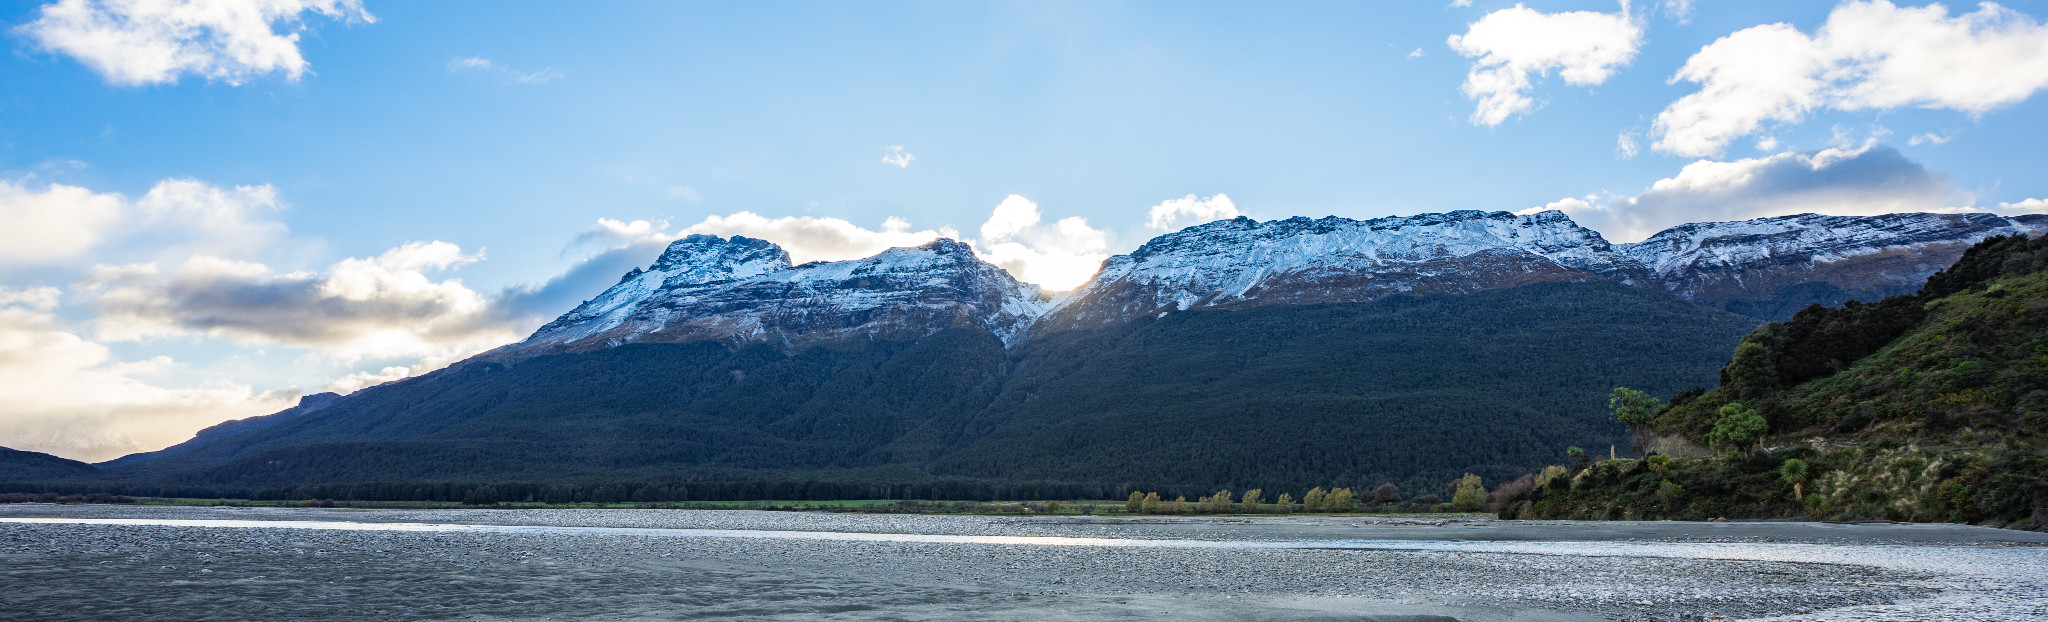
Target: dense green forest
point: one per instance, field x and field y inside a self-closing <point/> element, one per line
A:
<point x="1931" y="406"/>
<point x="1413" y="390"/>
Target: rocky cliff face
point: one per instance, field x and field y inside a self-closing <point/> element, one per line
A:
<point x="1769" y="268"/>
<point x="1243" y="263"/>
<point x="742" y="290"/>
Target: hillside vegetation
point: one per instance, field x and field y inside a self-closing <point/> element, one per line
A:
<point x="1924" y="407"/>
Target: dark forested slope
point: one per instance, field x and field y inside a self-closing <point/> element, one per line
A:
<point x="1412" y="390"/>
<point x="1930" y="407"/>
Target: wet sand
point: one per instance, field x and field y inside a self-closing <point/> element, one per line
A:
<point x="1264" y="568"/>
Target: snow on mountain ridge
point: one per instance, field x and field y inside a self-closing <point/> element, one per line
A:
<point x="742" y="290"/>
<point x="1821" y="239"/>
<point x="1233" y="261"/>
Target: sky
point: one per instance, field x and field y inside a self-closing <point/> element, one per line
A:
<point x="211" y="207"/>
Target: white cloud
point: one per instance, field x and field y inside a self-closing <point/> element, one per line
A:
<point x="1680" y="10"/>
<point x="2029" y="206"/>
<point x="518" y="76"/>
<point x="1175" y="214"/>
<point x="1509" y="45"/>
<point x="1852" y="182"/>
<point x="816" y="239"/>
<point x="1929" y="137"/>
<point x="1460" y="3"/>
<point x="1418" y="53"/>
<point x="1625" y="145"/>
<point x="52" y="224"/>
<point x="1867" y="56"/>
<point x="359" y="308"/>
<point x="359" y="380"/>
<point x="1058" y="257"/>
<point x="141" y="42"/>
<point x="898" y="157"/>
<point x="67" y="396"/>
<point x="543" y="76"/>
<point x="177" y="216"/>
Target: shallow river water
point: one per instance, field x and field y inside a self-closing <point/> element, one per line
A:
<point x="977" y="567"/>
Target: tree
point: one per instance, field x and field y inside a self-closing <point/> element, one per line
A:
<point x="1752" y="369"/>
<point x="1052" y="507"/>
<point x="1471" y="495"/>
<point x="1313" y="501"/>
<point x="1549" y="474"/>
<point x="1631" y="407"/>
<point x="1251" y="500"/>
<point x="1794" y="473"/>
<point x="1219" y="502"/>
<point x="1285" y="503"/>
<point x="1737" y="429"/>
<point x="1386" y="493"/>
<point x="1150" y="504"/>
<point x="1135" y="504"/>
<point x="1339" y="501"/>
<point x="1178" y="506"/>
<point x="1578" y="456"/>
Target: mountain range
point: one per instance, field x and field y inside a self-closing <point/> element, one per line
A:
<point x="1286" y="353"/>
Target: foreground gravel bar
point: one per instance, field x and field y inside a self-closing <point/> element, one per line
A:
<point x="1265" y="568"/>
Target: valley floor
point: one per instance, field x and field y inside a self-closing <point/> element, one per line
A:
<point x="204" y="563"/>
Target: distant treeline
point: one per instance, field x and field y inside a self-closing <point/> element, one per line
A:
<point x="622" y="492"/>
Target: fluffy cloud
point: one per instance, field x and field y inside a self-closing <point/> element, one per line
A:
<point x="1058" y="257"/>
<point x="1867" y="56"/>
<point x="2029" y="206"/>
<point x="1174" y="214"/>
<point x="67" y="395"/>
<point x="1509" y="45"/>
<point x="1859" y="181"/>
<point x="141" y="42"/>
<point x="358" y="380"/>
<point x="55" y="223"/>
<point x="817" y="239"/>
<point x="176" y="217"/>
<point x="359" y="308"/>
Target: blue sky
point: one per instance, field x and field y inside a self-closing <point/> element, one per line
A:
<point x="492" y="137"/>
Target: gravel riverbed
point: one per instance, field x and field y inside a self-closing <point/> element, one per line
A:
<point x="1265" y="568"/>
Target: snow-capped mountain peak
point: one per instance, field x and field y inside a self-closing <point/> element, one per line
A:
<point x="1300" y="260"/>
<point x="741" y="290"/>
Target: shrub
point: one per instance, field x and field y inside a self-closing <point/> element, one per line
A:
<point x="1386" y="493"/>
<point x="1513" y="490"/>
<point x="1470" y="495"/>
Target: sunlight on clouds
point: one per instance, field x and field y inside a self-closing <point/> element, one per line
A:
<point x="67" y="396"/>
<point x="1867" y="56"/>
<point x="1509" y="45"/>
<point x="54" y="223"/>
<point x="1174" y="214"/>
<point x="142" y="42"/>
<point x="176" y="217"/>
<point x="360" y="308"/>
<point x="815" y="239"/>
<point x="1059" y="257"/>
<point x="359" y="380"/>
